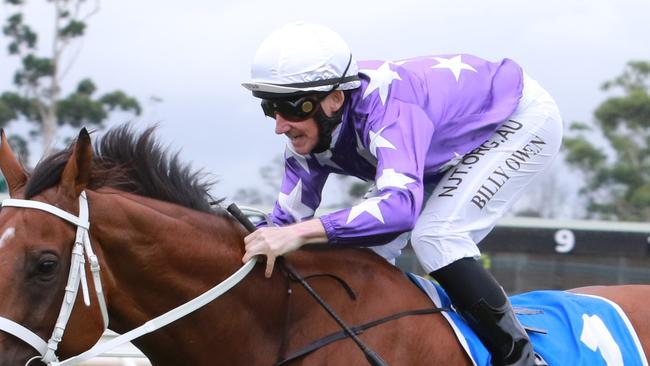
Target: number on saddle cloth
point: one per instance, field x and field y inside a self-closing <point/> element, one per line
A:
<point x="606" y="335"/>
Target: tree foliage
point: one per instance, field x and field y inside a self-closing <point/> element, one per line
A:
<point x="37" y="97"/>
<point x="617" y="170"/>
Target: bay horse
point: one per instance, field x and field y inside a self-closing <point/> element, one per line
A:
<point x="160" y="244"/>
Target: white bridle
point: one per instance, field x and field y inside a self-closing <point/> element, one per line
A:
<point x="77" y="277"/>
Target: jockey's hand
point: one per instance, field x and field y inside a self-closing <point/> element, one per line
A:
<point x="274" y="242"/>
<point x="271" y="242"/>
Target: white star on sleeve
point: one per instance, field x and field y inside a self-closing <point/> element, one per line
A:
<point x="292" y="203"/>
<point x="376" y="141"/>
<point x="380" y="79"/>
<point x="371" y="206"/>
<point x="361" y="150"/>
<point x="454" y="64"/>
<point x="390" y="178"/>
<point x="301" y="159"/>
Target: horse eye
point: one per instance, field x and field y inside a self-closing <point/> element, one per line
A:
<point x="47" y="267"/>
<point x="43" y="266"/>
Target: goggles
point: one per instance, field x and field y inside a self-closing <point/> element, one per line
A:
<point x="293" y="110"/>
<point x="301" y="108"/>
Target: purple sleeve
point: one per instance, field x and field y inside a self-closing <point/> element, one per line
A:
<point x="399" y="141"/>
<point x="300" y="192"/>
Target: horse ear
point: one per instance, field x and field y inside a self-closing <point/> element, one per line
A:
<point x="76" y="173"/>
<point x="13" y="171"/>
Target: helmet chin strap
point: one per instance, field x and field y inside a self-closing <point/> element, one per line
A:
<point x="326" y="126"/>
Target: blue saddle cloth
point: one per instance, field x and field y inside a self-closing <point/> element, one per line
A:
<point x="581" y="329"/>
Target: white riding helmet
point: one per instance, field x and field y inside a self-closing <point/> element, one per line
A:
<point x="302" y="57"/>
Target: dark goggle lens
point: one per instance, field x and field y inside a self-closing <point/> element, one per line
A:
<point x="296" y="110"/>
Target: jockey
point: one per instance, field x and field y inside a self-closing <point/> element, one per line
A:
<point x="450" y="141"/>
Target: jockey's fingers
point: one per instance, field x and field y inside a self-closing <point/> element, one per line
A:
<point x="251" y="251"/>
<point x="251" y="237"/>
<point x="251" y="243"/>
<point x="247" y="257"/>
<point x="270" y="262"/>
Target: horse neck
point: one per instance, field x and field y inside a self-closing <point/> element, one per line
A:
<point x="157" y="256"/>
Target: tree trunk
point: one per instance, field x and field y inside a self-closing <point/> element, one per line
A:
<point x="49" y="129"/>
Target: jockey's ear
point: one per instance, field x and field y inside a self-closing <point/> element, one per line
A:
<point x="13" y="171"/>
<point x="76" y="173"/>
<point x="334" y="101"/>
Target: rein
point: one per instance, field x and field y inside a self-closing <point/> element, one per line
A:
<point x="335" y="336"/>
<point x="358" y="329"/>
<point x="351" y="332"/>
<point x="164" y="319"/>
<point x="373" y="358"/>
<point x="77" y="277"/>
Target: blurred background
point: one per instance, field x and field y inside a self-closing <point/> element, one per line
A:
<point x="68" y="64"/>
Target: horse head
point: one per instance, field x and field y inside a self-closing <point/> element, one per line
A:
<point x="35" y="257"/>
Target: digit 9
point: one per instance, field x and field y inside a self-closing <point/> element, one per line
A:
<point x="565" y="240"/>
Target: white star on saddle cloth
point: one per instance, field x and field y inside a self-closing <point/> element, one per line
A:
<point x="292" y="203"/>
<point x="371" y="206"/>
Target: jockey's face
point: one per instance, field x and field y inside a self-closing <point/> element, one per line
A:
<point x="304" y="134"/>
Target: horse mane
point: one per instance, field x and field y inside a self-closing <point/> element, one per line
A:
<point x="132" y="163"/>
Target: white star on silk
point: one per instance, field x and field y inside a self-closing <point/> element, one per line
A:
<point x="325" y="159"/>
<point x="292" y="203"/>
<point x="390" y="178"/>
<point x="380" y="79"/>
<point x="301" y="159"/>
<point x="364" y="153"/>
<point x="371" y="206"/>
<point x="376" y="141"/>
<point x="454" y="64"/>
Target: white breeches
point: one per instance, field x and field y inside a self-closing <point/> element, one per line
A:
<point x="464" y="206"/>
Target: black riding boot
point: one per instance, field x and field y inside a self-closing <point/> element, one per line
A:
<point x="482" y="303"/>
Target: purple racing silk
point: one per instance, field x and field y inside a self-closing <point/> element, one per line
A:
<point x="408" y="122"/>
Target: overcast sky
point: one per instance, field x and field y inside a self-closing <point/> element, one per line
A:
<point x="193" y="55"/>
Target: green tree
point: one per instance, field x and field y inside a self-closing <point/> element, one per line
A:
<point x="38" y="98"/>
<point x="617" y="171"/>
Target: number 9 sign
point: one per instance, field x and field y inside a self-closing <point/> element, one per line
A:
<point x="565" y="240"/>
